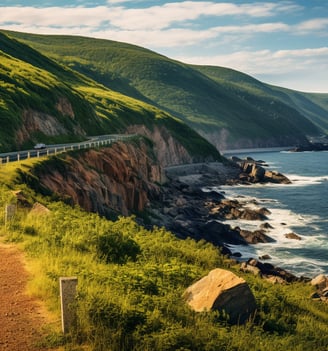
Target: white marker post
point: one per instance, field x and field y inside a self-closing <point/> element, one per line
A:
<point x="10" y="211"/>
<point x="68" y="297"/>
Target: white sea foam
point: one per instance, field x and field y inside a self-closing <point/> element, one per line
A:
<point x="283" y="221"/>
<point x="299" y="207"/>
<point x="298" y="180"/>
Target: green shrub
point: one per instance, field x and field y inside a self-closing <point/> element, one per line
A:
<point x="115" y="248"/>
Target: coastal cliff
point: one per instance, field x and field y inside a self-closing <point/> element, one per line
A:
<point x="119" y="179"/>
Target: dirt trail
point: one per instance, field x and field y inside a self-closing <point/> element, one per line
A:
<point x="21" y="319"/>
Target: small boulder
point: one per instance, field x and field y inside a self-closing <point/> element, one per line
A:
<point x="265" y="257"/>
<point x="246" y="268"/>
<point x="266" y="225"/>
<point x="293" y="236"/>
<point x="273" y="279"/>
<point x="39" y="209"/>
<point x="276" y="177"/>
<point x="255" y="237"/>
<point x="222" y="290"/>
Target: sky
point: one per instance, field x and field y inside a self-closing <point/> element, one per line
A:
<point x="284" y="43"/>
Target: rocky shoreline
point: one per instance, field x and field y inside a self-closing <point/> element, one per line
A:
<point x="192" y="205"/>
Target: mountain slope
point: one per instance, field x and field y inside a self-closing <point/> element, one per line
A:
<point x="228" y="108"/>
<point x="44" y="100"/>
<point x="314" y="106"/>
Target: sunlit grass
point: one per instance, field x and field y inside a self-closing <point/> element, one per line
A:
<point x="135" y="303"/>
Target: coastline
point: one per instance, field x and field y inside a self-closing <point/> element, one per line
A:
<point x="302" y="251"/>
<point x="255" y="150"/>
<point x="194" y="205"/>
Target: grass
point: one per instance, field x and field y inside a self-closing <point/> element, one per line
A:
<point x="131" y="281"/>
<point x="207" y="98"/>
<point x="32" y="82"/>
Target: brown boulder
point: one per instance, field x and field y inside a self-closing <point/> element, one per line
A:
<point x="222" y="290"/>
<point x="255" y="237"/>
<point x="276" y="177"/>
<point x="254" y="214"/>
<point x="320" y="281"/>
<point x="39" y="209"/>
<point x="293" y="236"/>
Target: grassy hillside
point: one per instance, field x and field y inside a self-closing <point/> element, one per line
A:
<point x="30" y="81"/>
<point x="217" y="102"/>
<point x="314" y="106"/>
<point x="131" y="281"/>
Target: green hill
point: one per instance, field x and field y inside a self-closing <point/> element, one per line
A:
<point x="314" y="106"/>
<point x="44" y="100"/>
<point x="229" y="108"/>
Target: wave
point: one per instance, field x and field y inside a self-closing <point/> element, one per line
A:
<point x="299" y="207"/>
<point x="298" y="180"/>
<point x="285" y="252"/>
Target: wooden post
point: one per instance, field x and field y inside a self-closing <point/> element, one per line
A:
<point x="67" y="297"/>
<point x="10" y="211"/>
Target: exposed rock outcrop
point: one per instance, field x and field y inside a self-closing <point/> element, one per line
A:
<point x="321" y="283"/>
<point x="116" y="180"/>
<point x="166" y="148"/>
<point x="223" y="291"/>
<point x="40" y="122"/>
<point x="233" y="209"/>
<point x="253" y="171"/>
<point x="189" y="207"/>
<point x="65" y="107"/>
<point x="293" y="236"/>
<point x="269" y="271"/>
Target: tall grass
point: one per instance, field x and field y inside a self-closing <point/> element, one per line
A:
<point x="130" y="283"/>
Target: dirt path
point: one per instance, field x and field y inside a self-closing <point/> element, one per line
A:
<point x="21" y="319"/>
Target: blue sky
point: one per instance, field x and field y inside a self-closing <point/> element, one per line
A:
<point x="279" y="42"/>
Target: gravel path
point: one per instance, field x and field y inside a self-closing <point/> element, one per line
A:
<point x="21" y="319"/>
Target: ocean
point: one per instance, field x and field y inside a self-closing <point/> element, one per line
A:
<point x="300" y="207"/>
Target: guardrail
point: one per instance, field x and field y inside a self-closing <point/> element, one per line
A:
<point x="57" y="149"/>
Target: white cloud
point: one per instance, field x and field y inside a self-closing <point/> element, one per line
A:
<point x="151" y="18"/>
<point x="163" y="16"/>
<point x="315" y="24"/>
<point x="180" y="26"/>
<point x="303" y="53"/>
<point x="305" y="69"/>
<point x="158" y="38"/>
<point x="54" y="16"/>
<point x="253" y="28"/>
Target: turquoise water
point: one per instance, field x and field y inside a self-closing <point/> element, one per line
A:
<point x="301" y="207"/>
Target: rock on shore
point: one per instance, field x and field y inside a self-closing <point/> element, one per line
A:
<point x="191" y="205"/>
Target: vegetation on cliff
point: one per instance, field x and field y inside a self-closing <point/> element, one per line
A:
<point x="131" y="282"/>
<point x="43" y="100"/>
<point x="228" y="107"/>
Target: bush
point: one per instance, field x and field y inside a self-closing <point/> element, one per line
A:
<point x="115" y="248"/>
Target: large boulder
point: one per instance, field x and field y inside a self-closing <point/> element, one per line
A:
<point x="320" y="281"/>
<point x="222" y="290"/>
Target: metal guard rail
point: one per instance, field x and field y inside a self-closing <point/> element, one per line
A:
<point x="57" y="149"/>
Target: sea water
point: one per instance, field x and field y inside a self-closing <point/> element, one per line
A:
<point x="300" y="207"/>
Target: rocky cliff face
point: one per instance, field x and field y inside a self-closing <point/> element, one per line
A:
<point x="118" y="179"/>
<point x="168" y="151"/>
<point x="40" y="122"/>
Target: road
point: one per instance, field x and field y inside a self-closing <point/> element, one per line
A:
<point x="95" y="141"/>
